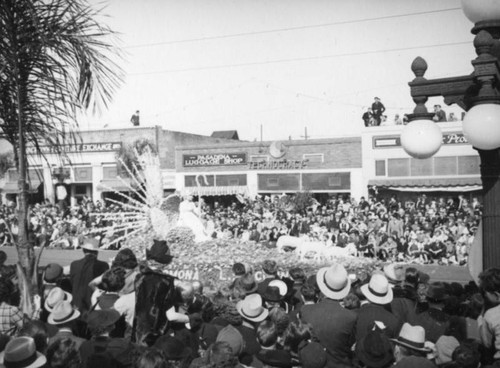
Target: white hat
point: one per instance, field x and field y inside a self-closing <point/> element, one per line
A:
<point x="378" y="290"/>
<point x="394" y="272"/>
<point x="55" y="296"/>
<point x="281" y="285"/>
<point x="412" y="337"/>
<point x="63" y="312"/>
<point x="334" y="281"/>
<point x="90" y="244"/>
<point x="251" y="308"/>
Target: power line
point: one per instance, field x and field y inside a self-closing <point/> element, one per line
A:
<point x="298" y="59"/>
<point x="287" y="29"/>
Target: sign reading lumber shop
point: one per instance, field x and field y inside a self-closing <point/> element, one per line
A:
<point x="214" y="159"/>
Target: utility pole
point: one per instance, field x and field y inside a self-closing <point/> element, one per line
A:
<point x="305" y="136"/>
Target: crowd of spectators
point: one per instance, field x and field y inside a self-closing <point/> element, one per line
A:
<point x="55" y="226"/>
<point x="132" y="314"/>
<point x="423" y="230"/>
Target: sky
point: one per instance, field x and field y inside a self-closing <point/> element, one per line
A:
<point x="277" y="66"/>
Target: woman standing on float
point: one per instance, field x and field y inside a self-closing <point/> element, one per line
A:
<point x="190" y="216"/>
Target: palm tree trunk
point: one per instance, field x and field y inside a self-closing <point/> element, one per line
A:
<point x="24" y="249"/>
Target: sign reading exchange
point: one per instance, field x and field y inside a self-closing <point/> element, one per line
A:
<point x="214" y="159"/>
<point x="80" y="147"/>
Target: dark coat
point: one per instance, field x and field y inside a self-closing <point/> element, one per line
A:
<point x="81" y="273"/>
<point x="154" y="296"/>
<point x="435" y="323"/>
<point x="252" y="346"/>
<point x="335" y="328"/>
<point x="369" y="313"/>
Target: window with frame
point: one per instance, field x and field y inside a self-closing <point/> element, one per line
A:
<point x="398" y="167"/>
<point x="445" y="165"/>
<point x="380" y="168"/>
<point x="109" y="172"/>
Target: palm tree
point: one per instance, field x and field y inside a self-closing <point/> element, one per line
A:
<point x="55" y="60"/>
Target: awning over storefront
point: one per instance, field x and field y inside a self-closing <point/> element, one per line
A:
<point x="217" y="190"/>
<point x="429" y="185"/>
<point x="115" y="185"/>
<point x="12" y="187"/>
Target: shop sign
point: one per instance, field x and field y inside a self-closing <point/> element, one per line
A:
<point x="214" y="159"/>
<point x="277" y="165"/>
<point x="79" y="148"/>
<point x="395" y="141"/>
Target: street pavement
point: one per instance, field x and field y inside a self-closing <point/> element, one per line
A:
<point x="65" y="257"/>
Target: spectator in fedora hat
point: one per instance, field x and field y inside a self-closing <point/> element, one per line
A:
<point x="333" y="325"/>
<point x="83" y="271"/>
<point x="411" y="346"/>
<point x="252" y="312"/>
<point x="378" y="294"/>
<point x="55" y="296"/>
<point x="64" y="317"/>
<point x="20" y="352"/>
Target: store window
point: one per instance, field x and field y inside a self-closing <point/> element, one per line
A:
<point x="380" y="168"/>
<point x="230" y="180"/>
<point x="83" y="174"/>
<point x="419" y="167"/>
<point x="445" y="165"/>
<point x="398" y="167"/>
<point x="468" y="165"/>
<point x="109" y="172"/>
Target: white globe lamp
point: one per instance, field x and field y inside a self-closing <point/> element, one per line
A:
<point x="481" y="10"/>
<point x="481" y="126"/>
<point x="421" y="138"/>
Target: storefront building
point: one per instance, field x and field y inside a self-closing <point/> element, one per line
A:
<point x="320" y="166"/>
<point x="92" y="168"/>
<point x="388" y="168"/>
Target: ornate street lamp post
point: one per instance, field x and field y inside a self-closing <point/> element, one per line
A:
<point x="478" y="94"/>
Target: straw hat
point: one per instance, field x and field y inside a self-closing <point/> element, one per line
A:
<point x="251" y="308"/>
<point x="55" y="296"/>
<point x="63" y="312"/>
<point x="20" y="352"/>
<point x="334" y="281"/>
<point x="412" y="337"/>
<point x="378" y="290"/>
<point x="394" y="272"/>
<point x="90" y="244"/>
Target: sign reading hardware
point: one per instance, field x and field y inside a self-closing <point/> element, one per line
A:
<point x="215" y="159"/>
<point x="277" y="165"/>
<point x="79" y="147"/>
<point x="395" y="141"/>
